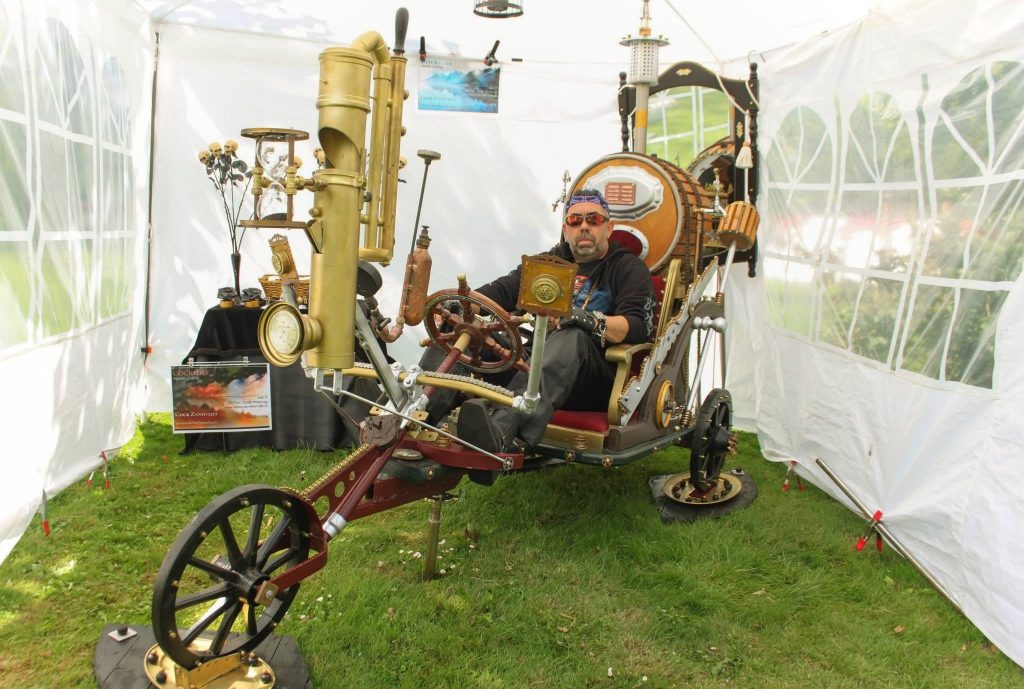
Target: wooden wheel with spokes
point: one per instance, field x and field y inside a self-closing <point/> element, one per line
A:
<point x="204" y="600"/>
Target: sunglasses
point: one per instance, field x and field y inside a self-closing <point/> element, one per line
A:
<point x="592" y="219"/>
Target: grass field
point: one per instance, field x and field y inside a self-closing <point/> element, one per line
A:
<point x="558" y="578"/>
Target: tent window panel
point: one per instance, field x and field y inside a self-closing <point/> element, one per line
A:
<point x="114" y="126"/>
<point x="67" y="168"/>
<point x="12" y="77"/>
<point x="16" y="292"/>
<point x="801" y="150"/>
<point x="66" y="285"/>
<point x="790" y="290"/>
<point x="948" y="243"/>
<point x="838" y="297"/>
<point x="876" y="229"/>
<point x="64" y="96"/>
<point x="880" y="148"/>
<point x="853" y="241"/>
<point x="798" y="220"/>
<point x="896" y="231"/>
<point x="930" y="321"/>
<point x="960" y="142"/>
<point x="115" y="278"/>
<point x="113" y="192"/>
<point x="15" y="203"/>
<point x="995" y="247"/>
<point x="875" y="325"/>
<point x="1008" y="115"/>
<point x="971" y="355"/>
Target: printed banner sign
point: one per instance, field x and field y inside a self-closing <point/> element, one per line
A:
<point x="453" y="84"/>
<point x="220" y="397"/>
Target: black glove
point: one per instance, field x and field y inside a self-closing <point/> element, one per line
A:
<point x="580" y="318"/>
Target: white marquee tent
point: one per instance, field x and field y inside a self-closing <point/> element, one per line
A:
<point x="878" y="336"/>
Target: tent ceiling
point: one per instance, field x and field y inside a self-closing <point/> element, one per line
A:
<point x="572" y="31"/>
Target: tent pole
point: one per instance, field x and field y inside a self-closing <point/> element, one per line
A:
<point x="146" y="349"/>
<point x="881" y="528"/>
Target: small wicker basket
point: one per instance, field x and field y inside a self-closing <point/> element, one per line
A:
<point x="272" y="288"/>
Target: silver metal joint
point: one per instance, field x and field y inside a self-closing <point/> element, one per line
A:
<point x="719" y="324"/>
<point x="413" y="372"/>
<point x="334" y="524"/>
<point x="333" y="385"/>
<point x="526" y="403"/>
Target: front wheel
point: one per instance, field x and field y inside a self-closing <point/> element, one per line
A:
<point x="712" y="439"/>
<point x="204" y="600"/>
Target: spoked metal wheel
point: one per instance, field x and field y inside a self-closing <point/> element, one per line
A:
<point x="204" y="601"/>
<point x="712" y="439"/>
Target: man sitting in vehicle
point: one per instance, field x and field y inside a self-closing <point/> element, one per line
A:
<point x="613" y="302"/>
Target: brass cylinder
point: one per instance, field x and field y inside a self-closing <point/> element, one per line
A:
<point x="332" y="294"/>
<point x="378" y="151"/>
<point x="343" y="103"/>
<point x="390" y="191"/>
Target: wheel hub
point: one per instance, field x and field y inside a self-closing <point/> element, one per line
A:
<point x="680" y="489"/>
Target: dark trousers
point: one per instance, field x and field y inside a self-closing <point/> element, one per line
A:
<point x="574" y="375"/>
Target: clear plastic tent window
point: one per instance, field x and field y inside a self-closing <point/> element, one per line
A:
<point x="899" y="242"/>
<point x="66" y="206"/>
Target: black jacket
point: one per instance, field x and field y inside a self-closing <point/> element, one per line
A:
<point x="619" y="285"/>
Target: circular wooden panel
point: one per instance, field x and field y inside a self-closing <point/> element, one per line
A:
<point x="656" y="199"/>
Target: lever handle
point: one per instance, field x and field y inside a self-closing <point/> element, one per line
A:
<point x="401" y="26"/>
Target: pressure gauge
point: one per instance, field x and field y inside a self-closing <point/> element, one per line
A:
<point x="284" y="333"/>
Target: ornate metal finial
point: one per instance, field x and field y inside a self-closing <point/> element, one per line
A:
<point x="645" y="20"/>
<point x="565" y="190"/>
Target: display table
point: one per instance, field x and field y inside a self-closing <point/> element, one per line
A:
<point x="302" y="418"/>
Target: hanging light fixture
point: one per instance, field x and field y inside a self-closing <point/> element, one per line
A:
<point x="498" y="9"/>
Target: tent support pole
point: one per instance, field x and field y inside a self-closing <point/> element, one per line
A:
<point x="881" y="528"/>
<point x="146" y="350"/>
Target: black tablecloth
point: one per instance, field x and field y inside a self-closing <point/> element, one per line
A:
<point x="302" y="417"/>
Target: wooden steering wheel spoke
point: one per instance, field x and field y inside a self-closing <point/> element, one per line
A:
<point x="482" y="319"/>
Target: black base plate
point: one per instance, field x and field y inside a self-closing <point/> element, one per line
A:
<point x="672" y="511"/>
<point x="119" y="664"/>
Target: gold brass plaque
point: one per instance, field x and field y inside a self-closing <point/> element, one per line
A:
<point x="545" y="286"/>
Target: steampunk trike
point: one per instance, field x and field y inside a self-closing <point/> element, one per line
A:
<point x="234" y="570"/>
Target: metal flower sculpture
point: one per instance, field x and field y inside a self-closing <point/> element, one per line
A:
<point x="231" y="178"/>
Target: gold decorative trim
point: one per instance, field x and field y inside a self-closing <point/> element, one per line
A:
<point x="573" y="439"/>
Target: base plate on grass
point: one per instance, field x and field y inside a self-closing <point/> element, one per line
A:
<point x="672" y="511"/>
<point x="121" y="665"/>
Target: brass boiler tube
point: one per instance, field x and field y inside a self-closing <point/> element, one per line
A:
<point x="394" y="134"/>
<point x="343" y="103"/>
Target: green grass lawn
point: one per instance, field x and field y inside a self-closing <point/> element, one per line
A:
<point x="558" y="578"/>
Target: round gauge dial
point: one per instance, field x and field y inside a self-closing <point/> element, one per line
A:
<point x="284" y="331"/>
<point x="283" y="334"/>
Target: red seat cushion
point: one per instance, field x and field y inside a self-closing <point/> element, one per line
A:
<point x="596" y="421"/>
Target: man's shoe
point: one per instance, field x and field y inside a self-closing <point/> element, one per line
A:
<point x="488" y="427"/>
